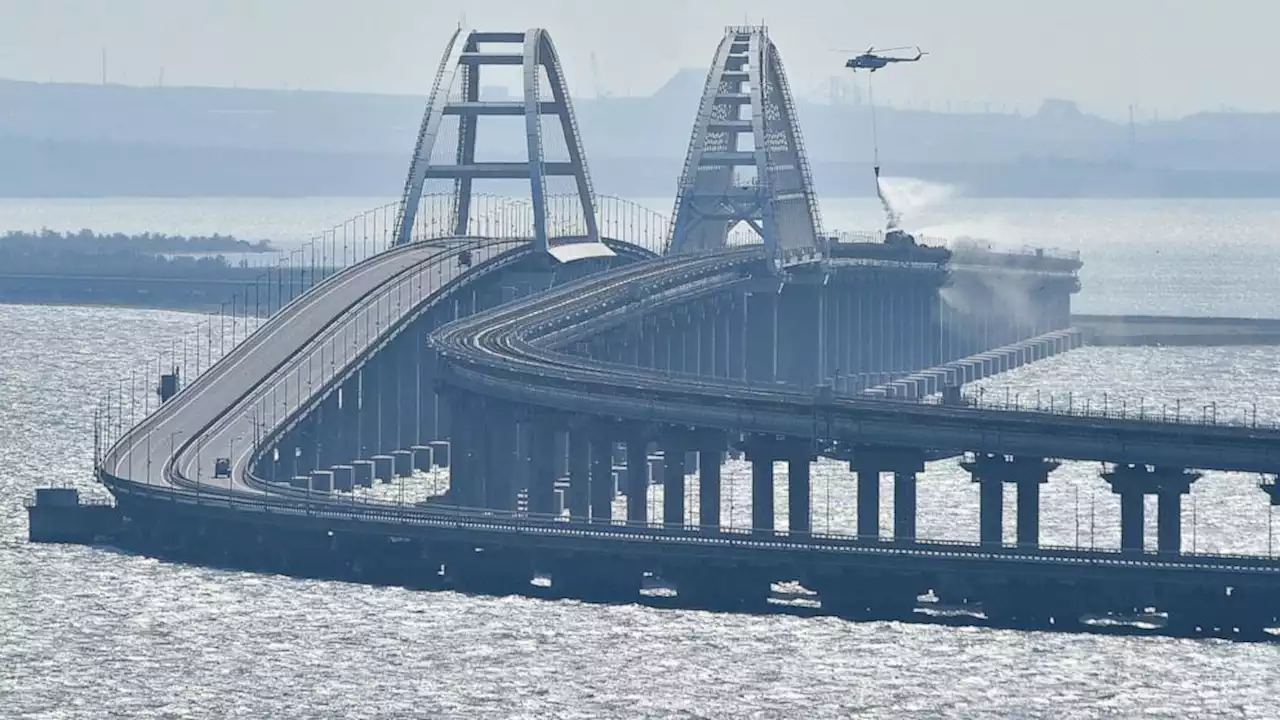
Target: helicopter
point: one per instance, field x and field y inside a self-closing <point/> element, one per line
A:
<point x="872" y="59"/>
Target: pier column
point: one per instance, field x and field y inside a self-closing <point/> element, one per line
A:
<point x="500" y="492"/>
<point x="904" y="505"/>
<point x="542" y="475"/>
<point x="690" y="334"/>
<point x="799" y="503"/>
<point x="710" y="449"/>
<point x="991" y="472"/>
<point x="800" y="349"/>
<point x="705" y="322"/>
<point x="1133" y="483"/>
<point x="463" y="461"/>
<point x="637" y="478"/>
<point x="868" y="513"/>
<point x="869" y="462"/>
<point x="674" y="445"/>
<point x="761" y="337"/>
<point x="762" y="452"/>
<point x="579" y="470"/>
<point x="735" y="331"/>
<point x="602" y="489"/>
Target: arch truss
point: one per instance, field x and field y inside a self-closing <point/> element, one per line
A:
<point x="456" y="92"/>
<point x="746" y="161"/>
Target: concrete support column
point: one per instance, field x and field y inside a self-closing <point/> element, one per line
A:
<point x="990" y="511"/>
<point x="706" y="327"/>
<point x="648" y="346"/>
<point x="662" y="343"/>
<point x="735" y="322"/>
<point x="690" y="343"/>
<point x="601" y="478"/>
<point x="579" y="472"/>
<point x="542" y="477"/>
<point x="762" y="495"/>
<point x="1029" y="512"/>
<point x="761" y="337"/>
<point x="904" y="506"/>
<point x="428" y="398"/>
<point x="868" y="502"/>
<point x="1133" y="483"/>
<point x="462" y="463"/>
<point x="1169" y="521"/>
<point x="991" y="472"/>
<point x="637" y="479"/>
<point x="709" y="452"/>
<point x="370" y="419"/>
<point x="800" y="339"/>
<point x="799" y="510"/>
<point x="1132" y="519"/>
<point x="499" y="485"/>
<point x="674" y="446"/>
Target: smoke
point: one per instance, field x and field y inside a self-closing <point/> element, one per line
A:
<point x="892" y="218"/>
<point x="901" y="196"/>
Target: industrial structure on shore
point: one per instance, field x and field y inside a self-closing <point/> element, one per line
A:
<point x="574" y="351"/>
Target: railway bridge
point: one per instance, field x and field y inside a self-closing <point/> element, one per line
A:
<point x="557" y="364"/>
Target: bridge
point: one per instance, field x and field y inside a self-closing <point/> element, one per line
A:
<point x="555" y="363"/>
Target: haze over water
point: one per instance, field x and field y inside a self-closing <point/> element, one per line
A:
<point x="89" y="633"/>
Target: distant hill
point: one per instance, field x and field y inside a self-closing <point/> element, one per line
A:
<point x="87" y="140"/>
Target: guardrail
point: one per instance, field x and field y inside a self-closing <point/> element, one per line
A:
<point x="483" y="520"/>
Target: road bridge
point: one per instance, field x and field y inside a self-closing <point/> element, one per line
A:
<point x="553" y="368"/>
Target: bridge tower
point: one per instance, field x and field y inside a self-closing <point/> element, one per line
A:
<point x="746" y="161"/>
<point x="455" y="96"/>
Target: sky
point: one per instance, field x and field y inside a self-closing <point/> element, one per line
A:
<point x="1166" y="57"/>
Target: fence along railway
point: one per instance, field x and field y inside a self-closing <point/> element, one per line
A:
<point x="563" y="379"/>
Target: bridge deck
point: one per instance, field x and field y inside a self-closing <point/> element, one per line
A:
<point x="278" y="368"/>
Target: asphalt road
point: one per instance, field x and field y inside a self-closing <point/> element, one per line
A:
<point x="269" y="375"/>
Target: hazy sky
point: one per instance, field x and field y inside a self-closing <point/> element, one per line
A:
<point x="1170" y="56"/>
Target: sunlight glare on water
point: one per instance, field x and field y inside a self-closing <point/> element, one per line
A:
<point x="90" y="633"/>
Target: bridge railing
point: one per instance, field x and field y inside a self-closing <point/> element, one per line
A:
<point x="130" y="401"/>
<point x="442" y="514"/>
<point x="1108" y="407"/>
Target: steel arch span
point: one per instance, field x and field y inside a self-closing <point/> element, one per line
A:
<point x="456" y="92"/>
<point x="746" y="161"/>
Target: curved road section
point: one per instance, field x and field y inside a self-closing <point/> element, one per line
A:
<point x="270" y="378"/>
<point x="511" y="352"/>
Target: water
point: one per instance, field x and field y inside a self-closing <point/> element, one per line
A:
<point x="88" y="633"/>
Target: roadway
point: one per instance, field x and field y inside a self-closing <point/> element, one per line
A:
<point x="511" y="352"/>
<point x="279" y="368"/>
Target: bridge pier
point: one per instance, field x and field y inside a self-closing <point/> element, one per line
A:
<point x="868" y="463"/>
<point x="602" y="486"/>
<point x="992" y="472"/>
<point x="542" y="469"/>
<point x="674" y="445"/>
<point x="1133" y="483"/>
<point x="708" y="340"/>
<point x="799" y="496"/>
<point x="799" y="334"/>
<point x="500" y="491"/>
<point x="710" y="450"/>
<point x="578" y="501"/>
<point x="762" y="336"/>
<point x="637" y="478"/>
<point x="761" y="458"/>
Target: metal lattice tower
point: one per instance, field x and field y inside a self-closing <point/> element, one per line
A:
<point x="746" y="160"/>
<point x="456" y="92"/>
